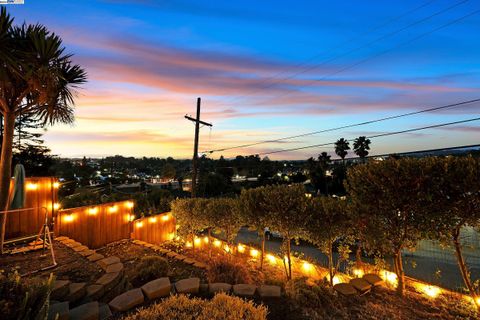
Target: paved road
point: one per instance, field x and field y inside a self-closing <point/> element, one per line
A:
<point x="421" y="264"/>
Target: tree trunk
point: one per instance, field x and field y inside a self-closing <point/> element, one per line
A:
<point x="330" y="261"/>
<point x="263" y="251"/>
<point x="463" y="266"/>
<point x="358" y="256"/>
<point x="5" y="170"/>
<point x="289" y="261"/>
<point x="400" y="273"/>
<point x="209" y="242"/>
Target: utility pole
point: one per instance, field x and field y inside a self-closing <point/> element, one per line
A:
<point x="195" y="146"/>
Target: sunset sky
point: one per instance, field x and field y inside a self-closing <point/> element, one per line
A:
<point x="264" y="70"/>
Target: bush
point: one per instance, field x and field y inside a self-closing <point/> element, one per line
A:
<point x="150" y="268"/>
<point x="24" y="299"/>
<point x="224" y="270"/>
<point x="221" y="307"/>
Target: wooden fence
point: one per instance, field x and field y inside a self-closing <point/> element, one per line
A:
<point x="41" y="196"/>
<point x="96" y="226"/>
<point x="154" y="229"/>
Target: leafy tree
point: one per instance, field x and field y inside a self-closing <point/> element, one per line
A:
<point x="457" y="199"/>
<point x="185" y="212"/>
<point x="341" y="148"/>
<point x="169" y="171"/>
<point x="286" y="207"/>
<point x="224" y="213"/>
<point x="361" y="145"/>
<point x="328" y="223"/>
<point x="391" y="198"/>
<point x="36" y="76"/>
<point x="255" y="214"/>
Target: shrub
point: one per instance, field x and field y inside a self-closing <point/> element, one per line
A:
<point x="220" y="307"/>
<point x="229" y="271"/>
<point x="24" y="299"/>
<point x="151" y="268"/>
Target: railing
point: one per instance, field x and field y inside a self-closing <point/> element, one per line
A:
<point x="95" y="226"/>
<point x="154" y="229"/>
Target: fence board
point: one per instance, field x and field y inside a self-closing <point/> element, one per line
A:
<point x="40" y="192"/>
<point x="96" y="226"/>
<point x="154" y="229"/>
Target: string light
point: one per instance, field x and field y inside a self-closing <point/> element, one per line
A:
<point x="241" y="248"/>
<point x="113" y="209"/>
<point x="307" y="267"/>
<point x="166" y="217"/>
<point x="32" y="186"/>
<point x="56" y="185"/>
<point x="197" y="241"/>
<point x="68" y="218"/>
<point x="152" y="219"/>
<point x="271" y="259"/>
<point x="139" y="224"/>
<point x="217" y="243"/>
<point x="254" y="253"/>
<point x="56" y="206"/>
<point x="129" y="204"/>
<point x="205" y="239"/>
<point x="93" y="211"/>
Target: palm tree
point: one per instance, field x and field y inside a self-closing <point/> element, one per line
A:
<point x="341" y="148"/>
<point x="361" y="145"/>
<point x="36" y="77"/>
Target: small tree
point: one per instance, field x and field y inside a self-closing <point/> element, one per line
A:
<point x="185" y="212"/>
<point x="286" y="207"/>
<point x="328" y="223"/>
<point x="392" y="197"/>
<point x="224" y="214"/>
<point x="457" y="200"/>
<point x="254" y="213"/>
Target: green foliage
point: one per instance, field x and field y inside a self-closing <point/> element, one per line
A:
<point x="226" y="270"/>
<point x="150" y="268"/>
<point x="390" y="205"/>
<point x="287" y="211"/>
<point x="224" y="213"/>
<point x="328" y="223"/>
<point x="221" y="307"/>
<point x="189" y="215"/>
<point x="24" y="299"/>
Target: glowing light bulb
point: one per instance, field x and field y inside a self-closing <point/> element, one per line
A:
<point x="56" y="185"/>
<point x="217" y="243"/>
<point x="152" y="219"/>
<point x="358" y="273"/>
<point x="227" y="249"/>
<point x="68" y="218"/>
<point x="139" y="224"/>
<point x="271" y="259"/>
<point x="197" y="241"/>
<point x="254" y="253"/>
<point x="93" y="211"/>
<point x="241" y="248"/>
<point x="129" y="204"/>
<point x="166" y="217"/>
<point x="113" y="209"/>
<point x="56" y="206"/>
<point x="205" y="239"/>
<point x="32" y="186"/>
<point x="188" y="244"/>
<point x="307" y="267"/>
<point x="431" y="291"/>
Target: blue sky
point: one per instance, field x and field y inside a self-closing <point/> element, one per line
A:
<point x="264" y="69"/>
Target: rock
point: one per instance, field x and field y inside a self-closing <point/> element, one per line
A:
<point x="86" y="253"/>
<point x="104" y="311"/>
<point x="87" y="311"/>
<point x="219" y="287"/>
<point x="80" y="248"/>
<point x="61" y="238"/>
<point x="127" y="300"/>
<point x="148" y="245"/>
<point x="181" y="257"/>
<point x="60" y="290"/>
<point x="95" y="257"/>
<point x="116" y="267"/>
<point x="373" y="279"/>
<point x="95" y="291"/>
<point x="189" y="261"/>
<point x="190" y="285"/>
<point x="345" y="289"/>
<point x="163" y="250"/>
<point x="200" y="265"/>
<point x="244" y="290"/>
<point x="76" y="291"/>
<point x="268" y="291"/>
<point x="157" y="288"/>
<point x="73" y="244"/>
<point x="361" y="284"/>
<point x="59" y="310"/>
<point x="203" y="288"/>
<point x="109" y="280"/>
<point x="139" y="242"/>
<point x="105" y="262"/>
<point x="67" y="241"/>
<point x="172" y="254"/>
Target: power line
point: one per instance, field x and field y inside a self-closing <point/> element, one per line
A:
<point x="376" y="136"/>
<point x="350" y="125"/>
<point x="368" y="44"/>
